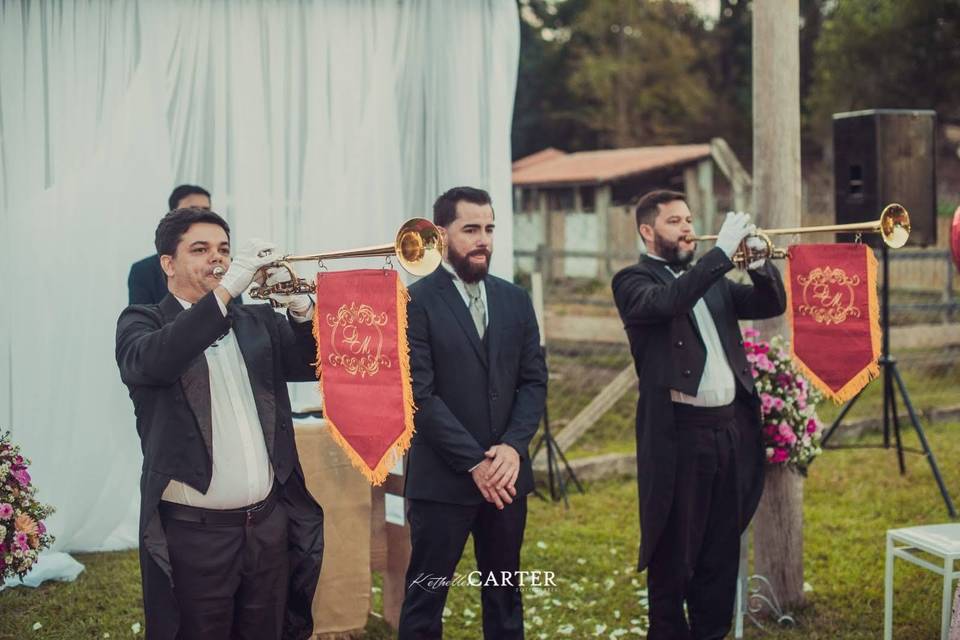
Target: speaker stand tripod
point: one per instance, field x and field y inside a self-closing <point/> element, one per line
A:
<point x="892" y="386"/>
<point x="557" y="477"/>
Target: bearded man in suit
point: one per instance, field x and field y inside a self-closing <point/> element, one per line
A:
<point x="479" y="382"/>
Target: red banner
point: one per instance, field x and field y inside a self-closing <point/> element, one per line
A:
<point x="363" y="364"/>
<point x="834" y="314"/>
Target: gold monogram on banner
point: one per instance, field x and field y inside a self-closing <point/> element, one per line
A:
<point x="828" y="295"/>
<point x="357" y="340"/>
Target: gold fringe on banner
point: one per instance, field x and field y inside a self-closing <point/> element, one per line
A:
<point x="870" y="372"/>
<point x="378" y="475"/>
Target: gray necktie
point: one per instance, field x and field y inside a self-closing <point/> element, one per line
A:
<point x="476" y="307"/>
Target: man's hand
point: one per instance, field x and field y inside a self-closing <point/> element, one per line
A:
<point x="505" y="466"/>
<point x="736" y="227"/>
<point x="755" y="245"/>
<point x="299" y="304"/>
<point x="499" y="497"/>
<point x="254" y="255"/>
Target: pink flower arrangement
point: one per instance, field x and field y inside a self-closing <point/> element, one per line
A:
<point x="791" y="430"/>
<point x="23" y="534"/>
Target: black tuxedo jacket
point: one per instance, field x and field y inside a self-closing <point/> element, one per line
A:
<point x="657" y="312"/>
<point x="160" y="355"/>
<point x="470" y="393"/>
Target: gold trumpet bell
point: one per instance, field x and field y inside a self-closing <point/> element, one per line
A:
<point x="419" y="247"/>
<point x="895" y="225"/>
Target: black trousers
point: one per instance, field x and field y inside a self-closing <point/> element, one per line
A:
<point x="230" y="580"/>
<point x="697" y="557"/>
<point x="438" y="533"/>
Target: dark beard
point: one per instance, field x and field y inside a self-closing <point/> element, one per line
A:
<point x="467" y="271"/>
<point x="670" y="251"/>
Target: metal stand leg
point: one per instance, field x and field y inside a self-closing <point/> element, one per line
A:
<point x="947" y="602"/>
<point x="888" y="592"/>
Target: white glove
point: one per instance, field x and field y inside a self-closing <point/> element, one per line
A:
<point x="300" y="305"/>
<point x="736" y="227"/>
<point x="755" y="244"/>
<point x="254" y="255"/>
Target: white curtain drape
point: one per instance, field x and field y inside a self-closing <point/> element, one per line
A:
<point x="320" y="125"/>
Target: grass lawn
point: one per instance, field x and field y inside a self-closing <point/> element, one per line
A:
<point x="851" y="498"/>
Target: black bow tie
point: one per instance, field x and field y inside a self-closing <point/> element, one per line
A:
<point x="678" y="268"/>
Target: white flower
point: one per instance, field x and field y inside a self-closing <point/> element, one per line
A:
<point x="638" y="631"/>
<point x="135" y="628"/>
<point x="446" y="611"/>
<point x="541" y="544"/>
<point x="469" y="613"/>
<point x="600" y="628"/>
<point x="807" y="587"/>
<point x="616" y="614"/>
<point x="537" y="621"/>
<point x="565" y="630"/>
<point x="37" y="626"/>
<point x="581" y="561"/>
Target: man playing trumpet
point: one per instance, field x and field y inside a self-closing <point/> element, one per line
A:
<point x="230" y="538"/>
<point x="699" y="453"/>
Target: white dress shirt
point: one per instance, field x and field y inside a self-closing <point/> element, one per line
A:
<point x="717" y="386"/>
<point x="458" y="283"/>
<point x="242" y="473"/>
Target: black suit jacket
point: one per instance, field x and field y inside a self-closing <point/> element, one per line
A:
<point x="147" y="283"/>
<point x="657" y="312"/>
<point x="160" y="355"/>
<point x="471" y="394"/>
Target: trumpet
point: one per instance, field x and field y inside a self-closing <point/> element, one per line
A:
<point x="418" y="248"/>
<point x="893" y="226"/>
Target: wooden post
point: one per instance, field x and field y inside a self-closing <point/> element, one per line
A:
<point x="708" y="203"/>
<point x="691" y="187"/>
<point x="778" y="528"/>
<point x="601" y="204"/>
<point x="730" y="166"/>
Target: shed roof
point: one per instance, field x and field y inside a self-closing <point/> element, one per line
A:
<point x="554" y="167"/>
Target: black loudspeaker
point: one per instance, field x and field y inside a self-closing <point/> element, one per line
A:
<point x="882" y="156"/>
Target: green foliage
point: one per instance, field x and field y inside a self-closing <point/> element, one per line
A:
<point x="636" y="72"/>
<point x="887" y="54"/>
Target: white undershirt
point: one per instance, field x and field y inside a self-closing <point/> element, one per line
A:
<point x="242" y="473"/>
<point x="717" y="386"/>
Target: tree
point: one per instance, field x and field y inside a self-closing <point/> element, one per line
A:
<point x="636" y="73"/>
<point x="543" y="112"/>
<point x="887" y="54"/>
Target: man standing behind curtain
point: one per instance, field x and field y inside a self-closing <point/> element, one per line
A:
<point x="230" y="538"/>
<point x="147" y="284"/>
<point x="479" y="382"/>
<point x="699" y="454"/>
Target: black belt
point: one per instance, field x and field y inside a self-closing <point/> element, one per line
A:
<point x="244" y="516"/>
<point x="688" y="415"/>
